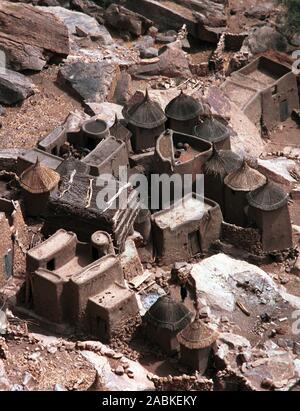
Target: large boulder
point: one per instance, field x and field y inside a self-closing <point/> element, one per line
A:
<point x="203" y="19"/>
<point x="261" y="39"/>
<point x="75" y="21"/>
<point x="5" y="384"/>
<point x="126" y="20"/>
<point x="93" y="81"/>
<point x="173" y="62"/>
<point x="280" y="169"/>
<point x="31" y="44"/>
<point x="221" y="280"/>
<point x="14" y="87"/>
<point x="90" y="8"/>
<point x="109" y="380"/>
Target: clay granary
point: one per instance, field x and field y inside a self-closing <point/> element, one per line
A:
<point x="146" y="121"/>
<point x="237" y="184"/>
<point x="216" y="168"/>
<point x="265" y="90"/>
<point x="80" y="284"/>
<point x="215" y="132"/>
<point x="268" y="210"/>
<point x="164" y="320"/>
<point x="186" y="229"/>
<point x="37" y="182"/>
<point x="195" y="344"/>
<point x="93" y="131"/>
<point x="183" y="113"/>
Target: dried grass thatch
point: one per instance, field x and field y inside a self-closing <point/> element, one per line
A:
<point x="183" y="107"/>
<point x="268" y="197"/>
<point x="245" y="179"/>
<point x="144" y="113"/>
<point x="169" y="314"/>
<point x="197" y="335"/>
<point x="212" y="130"/>
<point x="222" y="162"/>
<point x="38" y="179"/>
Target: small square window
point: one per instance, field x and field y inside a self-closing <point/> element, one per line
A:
<point x="51" y="265"/>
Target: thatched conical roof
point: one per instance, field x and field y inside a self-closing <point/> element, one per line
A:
<point x="268" y="197"/>
<point x="212" y="130"/>
<point x="145" y="113"/>
<point x="222" y="162"/>
<point x="39" y="179"/>
<point x="197" y="335"/>
<point x="183" y="107"/>
<point x="168" y="313"/>
<point x="245" y="178"/>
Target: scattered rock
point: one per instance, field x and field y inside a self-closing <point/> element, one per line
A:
<point x="52" y="350"/>
<point x="166" y="37"/>
<point x="14" y="87"/>
<point x="113" y="382"/>
<point x="124" y="90"/>
<point x="119" y="370"/>
<point x="90" y="8"/>
<point x="2" y="111"/>
<point x="278" y="169"/>
<point x="5" y="384"/>
<point x="218" y="279"/>
<point x="125" y="20"/>
<point x="261" y="39"/>
<point x="173" y="62"/>
<point x="3" y="323"/>
<point x="93" y="81"/>
<point x="260" y="11"/>
<point x="85" y="23"/>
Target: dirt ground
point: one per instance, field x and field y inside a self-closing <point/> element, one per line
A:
<point x="23" y="125"/>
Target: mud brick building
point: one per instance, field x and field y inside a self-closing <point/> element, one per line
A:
<point x="71" y="284"/>
<point x="186" y="229"/>
<point x="265" y="90"/>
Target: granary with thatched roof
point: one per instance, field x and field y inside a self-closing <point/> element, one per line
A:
<point x="216" y="168"/>
<point x="37" y="181"/>
<point x="212" y="130"/>
<point x="164" y="320"/>
<point x="183" y="113"/>
<point x="145" y="119"/>
<point x="238" y="184"/>
<point x="195" y="344"/>
<point x="268" y="209"/>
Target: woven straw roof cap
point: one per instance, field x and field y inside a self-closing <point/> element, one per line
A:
<point x="183" y="107"/>
<point x="144" y="113"/>
<point x="168" y="313"/>
<point x="245" y="178"/>
<point x="39" y="179"/>
<point x="212" y="130"/>
<point x="268" y="197"/>
<point x="197" y="335"/>
<point x="222" y="162"/>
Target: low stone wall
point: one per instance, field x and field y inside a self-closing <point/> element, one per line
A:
<point x="182" y="383"/>
<point x="248" y="239"/>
